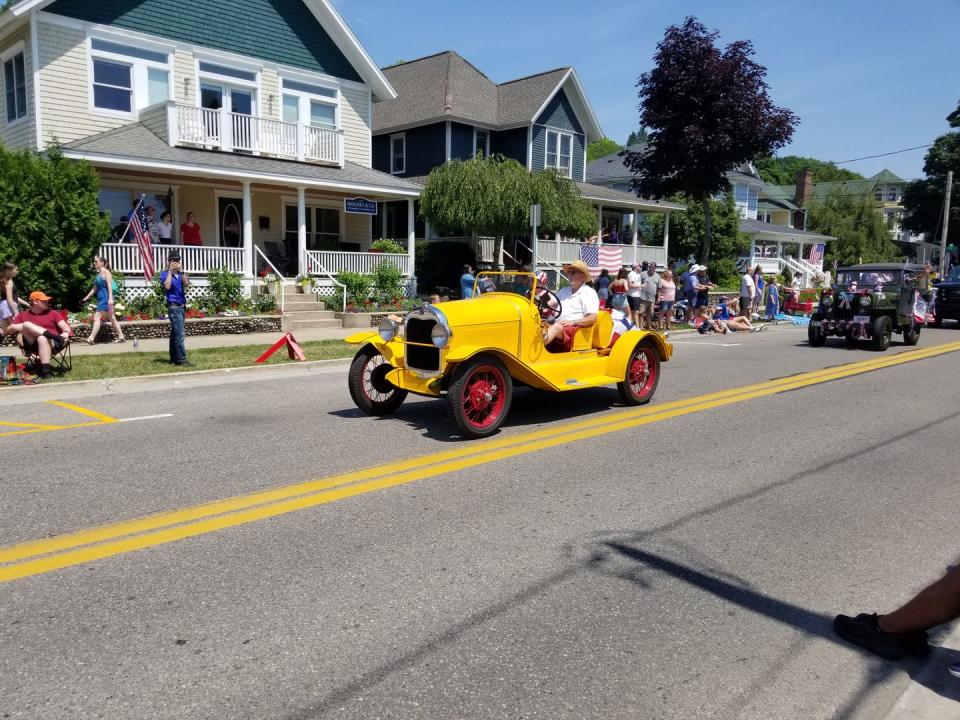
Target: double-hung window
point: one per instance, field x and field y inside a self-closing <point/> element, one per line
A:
<point x="323" y="227"/>
<point x="892" y="194"/>
<point x="481" y="144"/>
<point x="315" y="105"/>
<point x="560" y="152"/>
<point x="127" y="78"/>
<point x="15" y="87"/>
<point x="398" y="154"/>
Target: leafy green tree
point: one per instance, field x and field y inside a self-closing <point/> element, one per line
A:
<point x="707" y="111"/>
<point x="601" y="148"/>
<point x="492" y="197"/>
<point x="861" y="232"/>
<point x="637" y="137"/>
<point x="687" y="230"/>
<point x="783" y="170"/>
<point x="50" y="222"/>
<point x="923" y="199"/>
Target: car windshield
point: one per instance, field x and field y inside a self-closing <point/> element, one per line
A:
<point x="516" y="283"/>
<point x="869" y="278"/>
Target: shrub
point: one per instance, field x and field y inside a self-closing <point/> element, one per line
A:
<point x="440" y="263"/>
<point x="387" y="246"/>
<point x="225" y="289"/>
<point x="724" y="272"/>
<point x="264" y="304"/>
<point x="50" y="222"/>
<point x="387" y="281"/>
<point x="358" y="285"/>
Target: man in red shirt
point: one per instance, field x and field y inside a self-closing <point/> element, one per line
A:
<point x="42" y="330"/>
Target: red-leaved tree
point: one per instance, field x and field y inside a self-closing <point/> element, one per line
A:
<point x="706" y="111"/>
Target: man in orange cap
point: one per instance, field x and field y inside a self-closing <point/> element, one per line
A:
<point x="43" y="331"/>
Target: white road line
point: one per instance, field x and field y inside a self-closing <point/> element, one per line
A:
<point x="705" y="343"/>
<point x="145" y="417"/>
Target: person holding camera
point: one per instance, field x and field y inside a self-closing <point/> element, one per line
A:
<point x="175" y="283"/>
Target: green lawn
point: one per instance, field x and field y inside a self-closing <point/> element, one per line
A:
<point x="98" y="367"/>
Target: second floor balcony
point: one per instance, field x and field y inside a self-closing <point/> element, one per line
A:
<point x="220" y="129"/>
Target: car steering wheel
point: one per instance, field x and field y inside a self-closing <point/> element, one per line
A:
<point x="548" y="304"/>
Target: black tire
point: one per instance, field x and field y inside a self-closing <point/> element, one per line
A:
<point x="882" y="331"/>
<point x="479" y="397"/>
<point x="815" y="335"/>
<point x="368" y="384"/>
<point x="641" y="376"/>
<point x="911" y="334"/>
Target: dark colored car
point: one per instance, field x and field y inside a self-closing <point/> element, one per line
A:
<point x="947" y="303"/>
<point x="870" y="303"/>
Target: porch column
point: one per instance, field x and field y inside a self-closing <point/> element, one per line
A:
<point x="247" y="231"/>
<point x="636" y="230"/>
<point x="411" y="235"/>
<point x="301" y="231"/>
<point x="753" y="248"/>
<point x="599" y="223"/>
<point x="666" y="237"/>
<point x="800" y="251"/>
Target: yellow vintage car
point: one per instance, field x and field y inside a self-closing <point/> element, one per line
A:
<point x="474" y="351"/>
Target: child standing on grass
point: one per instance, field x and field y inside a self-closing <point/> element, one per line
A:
<point x="773" y="300"/>
<point x="9" y="302"/>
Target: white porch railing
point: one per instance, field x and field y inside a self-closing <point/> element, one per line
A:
<point x="561" y="252"/>
<point x="223" y="130"/>
<point x="335" y="262"/>
<point x="126" y="258"/>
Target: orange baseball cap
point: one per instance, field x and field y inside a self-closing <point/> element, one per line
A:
<point x="40" y="295"/>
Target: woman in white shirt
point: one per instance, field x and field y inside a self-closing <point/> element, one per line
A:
<point x="165" y="229"/>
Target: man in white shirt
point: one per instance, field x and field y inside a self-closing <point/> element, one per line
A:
<point x="634" y="281"/>
<point x="579" y="306"/>
<point x="748" y="289"/>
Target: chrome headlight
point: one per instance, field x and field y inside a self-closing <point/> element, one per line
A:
<point x="388" y="329"/>
<point x="440" y="335"/>
<point x="865" y="300"/>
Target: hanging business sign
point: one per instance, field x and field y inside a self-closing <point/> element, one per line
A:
<point x="360" y="206"/>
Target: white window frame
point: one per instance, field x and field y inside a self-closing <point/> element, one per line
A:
<point x="486" y="149"/>
<point x="546" y="150"/>
<point x="139" y="83"/>
<point x="305" y="97"/>
<point x="894" y="191"/>
<point x="311" y="206"/>
<point x="879" y="191"/>
<point x="402" y="170"/>
<point x="9" y="54"/>
<point x="202" y="77"/>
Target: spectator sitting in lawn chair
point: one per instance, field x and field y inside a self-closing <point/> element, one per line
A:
<point x="44" y="333"/>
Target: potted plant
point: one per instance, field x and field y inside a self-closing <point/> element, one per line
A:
<point x="272" y="282"/>
<point x="304" y="282"/>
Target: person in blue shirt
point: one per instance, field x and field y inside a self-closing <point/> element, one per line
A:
<point x="466" y="282"/>
<point x="175" y="283"/>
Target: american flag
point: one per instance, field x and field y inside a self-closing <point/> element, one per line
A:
<point x="816" y="254"/>
<point x="599" y="257"/>
<point x="141" y="235"/>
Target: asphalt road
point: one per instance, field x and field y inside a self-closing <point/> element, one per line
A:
<point x="682" y="560"/>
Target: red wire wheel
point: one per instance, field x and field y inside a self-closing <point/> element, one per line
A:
<point x="368" y="384"/>
<point x="479" y="397"/>
<point x="641" y="377"/>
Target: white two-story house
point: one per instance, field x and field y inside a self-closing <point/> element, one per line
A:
<point x="254" y="115"/>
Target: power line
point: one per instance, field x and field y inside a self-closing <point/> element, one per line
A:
<point x="895" y="152"/>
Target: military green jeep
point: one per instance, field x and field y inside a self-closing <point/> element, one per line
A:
<point x="870" y="303"/>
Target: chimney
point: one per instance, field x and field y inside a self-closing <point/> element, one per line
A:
<point x="804" y="187"/>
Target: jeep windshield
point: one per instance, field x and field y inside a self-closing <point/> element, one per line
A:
<point x="515" y="283"/>
<point x="870" y="278"/>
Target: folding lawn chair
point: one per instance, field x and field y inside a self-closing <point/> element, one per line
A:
<point x="60" y="360"/>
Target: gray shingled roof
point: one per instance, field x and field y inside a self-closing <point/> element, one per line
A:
<point x="445" y="86"/>
<point x="756" y="226"/>
<point x="611" y="167"/>
<point x="137" y="142"/>
<point x="602" y="193"/>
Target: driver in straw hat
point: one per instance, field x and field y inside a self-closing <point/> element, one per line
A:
<point x="579" y="306"/>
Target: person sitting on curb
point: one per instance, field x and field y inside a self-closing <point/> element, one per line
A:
<point x="904" y="631"/>
<point x="42" y="330"/>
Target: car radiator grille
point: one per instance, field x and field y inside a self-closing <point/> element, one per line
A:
<point x="420" y="351"/>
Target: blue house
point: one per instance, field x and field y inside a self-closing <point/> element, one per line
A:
<point x="447" y="109"/>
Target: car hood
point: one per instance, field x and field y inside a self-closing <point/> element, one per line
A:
<point x="491" y="308"/>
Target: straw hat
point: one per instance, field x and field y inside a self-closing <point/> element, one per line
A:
<point x="578" y="265"/>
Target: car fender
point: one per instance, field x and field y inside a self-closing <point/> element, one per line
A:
<point x="363" y="337"/>
<point x="625" y="345"/>
<point x="392" y="351"/>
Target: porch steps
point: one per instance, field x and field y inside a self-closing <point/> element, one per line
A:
<point x="305" y="311"/>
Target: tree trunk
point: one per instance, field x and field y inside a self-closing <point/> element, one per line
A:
<point x="707" y="232"/>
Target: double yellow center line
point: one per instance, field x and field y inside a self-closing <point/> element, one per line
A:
<point x="61" y="551"/>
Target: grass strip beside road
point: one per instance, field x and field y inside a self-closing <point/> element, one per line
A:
<point x="135" y="362"/>
<point x="162" y="528"/>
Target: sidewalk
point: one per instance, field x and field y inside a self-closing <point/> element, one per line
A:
<point x="933" y="693"/>
<point x="197" y="342"/>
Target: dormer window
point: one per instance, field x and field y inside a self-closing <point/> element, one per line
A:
<point x="398" y="154"/>
<point x="559" y="152"/>
<point x="892" y="194"/>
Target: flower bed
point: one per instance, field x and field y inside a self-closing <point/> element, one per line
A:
<point x="144" y="329"/>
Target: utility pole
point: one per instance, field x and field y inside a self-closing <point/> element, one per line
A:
<point x="946" y="225"/>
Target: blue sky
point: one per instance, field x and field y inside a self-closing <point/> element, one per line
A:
<point x="864" y="77"/>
